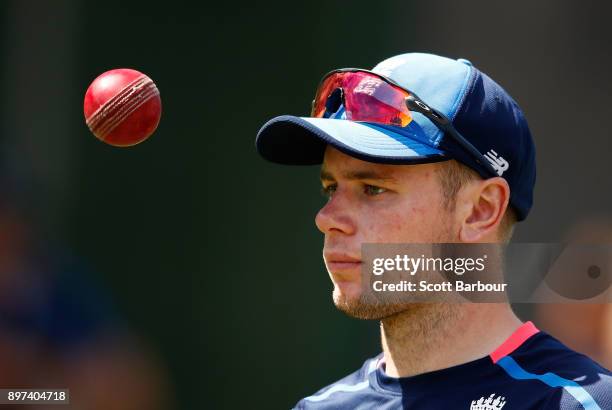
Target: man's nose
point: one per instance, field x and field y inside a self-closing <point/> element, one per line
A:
<point x="335" y="216"/>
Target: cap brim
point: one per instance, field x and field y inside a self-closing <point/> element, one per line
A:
<point x="302" y="141"/>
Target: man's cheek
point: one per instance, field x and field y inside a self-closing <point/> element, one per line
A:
<point x="411" y="225"/>
<point x="385" y="227"/>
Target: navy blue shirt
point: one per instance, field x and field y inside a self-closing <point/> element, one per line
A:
<point x="530" y="370"/>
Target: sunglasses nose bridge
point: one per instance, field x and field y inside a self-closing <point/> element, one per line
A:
<point x="334" y="100"/>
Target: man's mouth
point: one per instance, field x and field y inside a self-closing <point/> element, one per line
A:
<point x="341" y="261"/>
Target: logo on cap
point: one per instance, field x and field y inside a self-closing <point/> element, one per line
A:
<point x="497" y="161"/>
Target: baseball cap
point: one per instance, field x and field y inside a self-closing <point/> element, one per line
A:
<point x="480" y="109"/>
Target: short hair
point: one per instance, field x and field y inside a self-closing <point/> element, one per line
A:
<point x="452" y="176"/>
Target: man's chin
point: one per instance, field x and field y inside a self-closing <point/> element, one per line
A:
<point x="361" y="307"/>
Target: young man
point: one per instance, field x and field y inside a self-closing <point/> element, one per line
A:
<point x="425" y="149"/>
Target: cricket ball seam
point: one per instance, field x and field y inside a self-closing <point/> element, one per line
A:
<point x="110" y="114"/>
<point x="124" y="110"/>
<point x="105" y="109"/>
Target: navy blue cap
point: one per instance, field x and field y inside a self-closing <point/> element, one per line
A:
<point x="481" y="110"/>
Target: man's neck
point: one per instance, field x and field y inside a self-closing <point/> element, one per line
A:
<point x="430" y="337"/>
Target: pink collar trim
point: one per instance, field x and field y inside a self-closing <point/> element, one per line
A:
<point x="515" y="340"/>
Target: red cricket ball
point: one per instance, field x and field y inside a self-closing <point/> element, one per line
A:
<point x="122" y="107"/>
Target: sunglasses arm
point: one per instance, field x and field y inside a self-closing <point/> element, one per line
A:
<point x="415" y="104"/>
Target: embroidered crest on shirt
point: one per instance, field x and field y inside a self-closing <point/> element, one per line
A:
<point x="492" y="403"/>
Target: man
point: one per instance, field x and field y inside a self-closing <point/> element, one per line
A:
<point x="425" y="149"/>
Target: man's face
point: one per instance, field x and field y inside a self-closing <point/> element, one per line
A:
<point x="375" y="203"/>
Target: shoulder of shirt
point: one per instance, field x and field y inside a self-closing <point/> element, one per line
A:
<point x="544" y="353"/>
<point x="546" y="356"/>
<point x="347" y="383"/>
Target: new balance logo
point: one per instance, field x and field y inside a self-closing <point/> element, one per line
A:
<point x="492" y="403"/>
<point x="499" y="163"/>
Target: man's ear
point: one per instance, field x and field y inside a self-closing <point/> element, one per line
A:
<point x="483" y="205"/>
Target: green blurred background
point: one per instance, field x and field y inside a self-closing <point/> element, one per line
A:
<point x="208" y="252"/>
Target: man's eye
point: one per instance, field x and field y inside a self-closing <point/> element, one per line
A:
<point x="374" y="190"/>
<point x="327" y="191"/>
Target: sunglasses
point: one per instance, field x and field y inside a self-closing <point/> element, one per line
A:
<point x="362" y="95"/>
